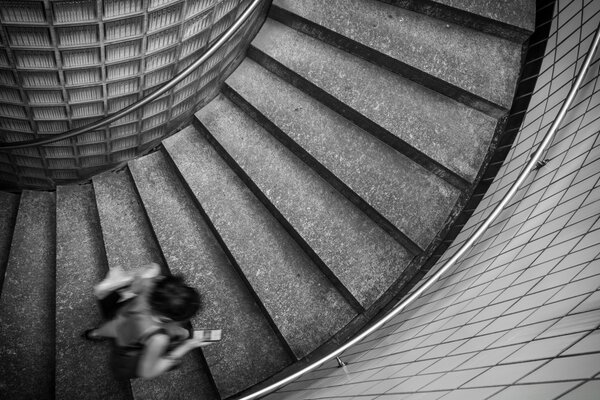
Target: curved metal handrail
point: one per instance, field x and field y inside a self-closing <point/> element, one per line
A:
<point x="466" y="246"/>
<point x="146" y="100"/>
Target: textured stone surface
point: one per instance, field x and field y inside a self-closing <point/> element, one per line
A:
<point x="129" y="244"/>
<point x="82" y="370"/>
<point x="482" y="64"/>
<point x="27" y="303"/>
<point x="8" y="214"/>
<point x="449" y="132"/>
<point x="128" y="238"/>
<point x="519" y="13"/>
<point x="304" y="305"/>
<point x="414" y="200"/>
<point x="363" y="257"/>
<point x="250" y="351"/>
<point x="510" y="19"/>
<point x="189" y="381"/>
<point x="518" y="316"/>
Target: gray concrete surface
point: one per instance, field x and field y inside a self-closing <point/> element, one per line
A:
<point x="249" y="351"/>
<point x="27" y="304"/>
<point x="363" y="257"/>
<point x="428" y="121"/>
<point x="9" y="204"/>
<point x="479" y="63"/>
<point x="303" y="303"/>
<point x="82" y="369"/>
<point x="413" y="199"/>
<point x="129" y="243"/>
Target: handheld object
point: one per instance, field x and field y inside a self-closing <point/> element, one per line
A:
<point x="208" y="335"/>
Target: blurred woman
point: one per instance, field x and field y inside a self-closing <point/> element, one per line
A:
<point x="147" y="325"/>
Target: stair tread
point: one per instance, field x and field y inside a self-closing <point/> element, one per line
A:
<point x="9" y="204"/>
<point x="518" y="13"/>
<point x="413" y="199"/>
<point x="129" y="243"/>
<point x="428" y="121"/>
<point x="305" y="306"/>
<point x="363" y="257"/>
<point x="482" y="64"/>
<point x="249" y="351"/>
<point x="81" y="367"/>
<point x="128" y="238"/>
<point x="27" y="316"/>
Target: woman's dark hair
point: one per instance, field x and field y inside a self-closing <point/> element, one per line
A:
<point x="172" y="298"/>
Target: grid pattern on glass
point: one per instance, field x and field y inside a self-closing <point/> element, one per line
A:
<point x="10" y="95"/>
<point x="4" y="58"/>
<point x="74" y="10"/>
<point x="44" y="96"/>
<point x="18" y="11"/>
<point x="79" y="59"/>
<point x="124" y="50"/>
<point x="82" y="57"/>
<point x="35" y="59"/>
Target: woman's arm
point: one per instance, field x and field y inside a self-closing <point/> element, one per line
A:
<point x="143" y="278"/>
<point x="154" y="362"/>
<point x="142" y="281"/>
<point x="177" y="332"/>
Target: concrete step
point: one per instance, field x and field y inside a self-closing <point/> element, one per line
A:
<point x="128" y="236"/>
<point x="27" y="303"/>
<point x="469" y="65"/>
<point x="444" y="136"/>
<point x="306" y="308"/>
<point x="130" y="243"/>
<point x="9" y="204"/>
<point x="510" y="19"/>
<point x="388" y="186"/>
<point x="82" y="371"/>
<point x="250" y="350"/>
<point x="342" y="239"/>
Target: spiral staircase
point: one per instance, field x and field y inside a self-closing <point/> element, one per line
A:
<point x="303" y="199"/>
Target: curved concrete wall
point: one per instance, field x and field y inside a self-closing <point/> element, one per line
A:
<point x="518" y="316"/>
